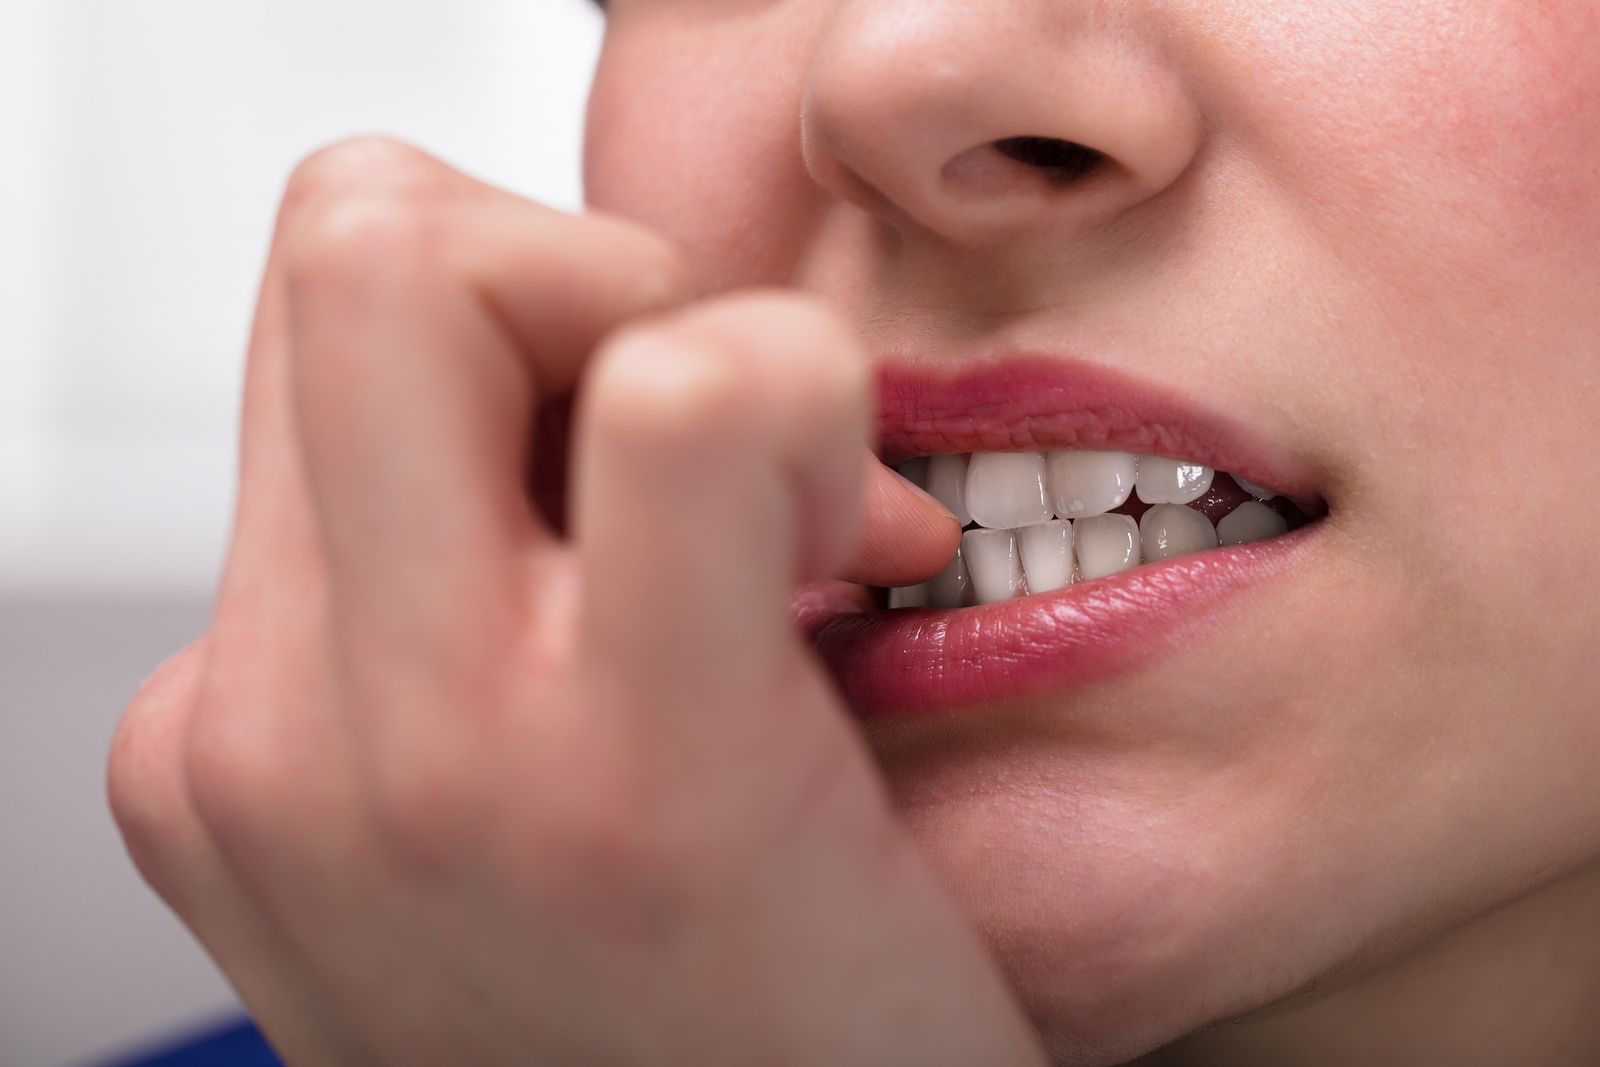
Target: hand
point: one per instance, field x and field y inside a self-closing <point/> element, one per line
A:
<point x="440" y="786"/>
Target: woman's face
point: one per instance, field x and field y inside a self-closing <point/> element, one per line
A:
<point x="1361" y="233"/>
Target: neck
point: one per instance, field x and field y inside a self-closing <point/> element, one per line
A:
<point x="1518" y="985"/>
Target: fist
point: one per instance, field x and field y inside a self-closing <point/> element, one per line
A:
<point x="449" y="782"/>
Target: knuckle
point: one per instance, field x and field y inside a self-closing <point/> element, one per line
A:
<point x="793" y="312"/>
<point x="795" y="318"/>
<point x="355" y="238"/>
<point x="231" y="769"/>
<point x="361" y="165"/>
<point x="801" y="353"/>
<point x="655" y="382"/>
<point x="732" y="373"/>
<point x="361" y="203"/>
<point x="144" y="769"/>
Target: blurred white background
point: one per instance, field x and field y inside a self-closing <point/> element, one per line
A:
<point x="145" y="146"/>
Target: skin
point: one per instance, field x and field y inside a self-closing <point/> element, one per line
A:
<point x="1353" y="821"/>
<point x="1349" y="223"/>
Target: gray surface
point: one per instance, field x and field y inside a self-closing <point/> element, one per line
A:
<point x="90" y="960"/>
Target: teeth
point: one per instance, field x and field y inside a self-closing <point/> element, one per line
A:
<point x="1172" y="481"/>
<point x="911" y="596"/>
<point x="1107" y="544"/>
<point x="1018" y="547"/>
<point x="1257" y="491"/>
<point x="1047" y="557"/>
<point x="1005" y="490"/>
<point x="947" y="481"/>
<point x="949" y="588"/>
<point x="993" y="562"/>
<point x="1090" y="483"/>
<point x="1250" y="522"/>
<point x="1169" y="530"/>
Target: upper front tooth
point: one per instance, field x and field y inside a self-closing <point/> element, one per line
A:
<point x="1090" y="483"/>
<point x="1172" y="481"/>
<point x="1168" y="530"/>
<point x="1046" y="555"/>
<point x="947" y="483"/>
<point x="993" y="562"/>
<point x="1250" y="522"/>
<point x="1006" y="490"/>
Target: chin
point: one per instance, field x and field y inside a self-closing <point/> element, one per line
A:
<point x="1130" y="901"/>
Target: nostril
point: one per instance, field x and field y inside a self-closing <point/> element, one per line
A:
<point x="1063" y="162"/>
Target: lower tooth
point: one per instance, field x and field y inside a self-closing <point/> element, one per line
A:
<point x="1169" y="530"/>
<point x="911" y="596"/>
<point x="1106" y="544"/>
<point x="1250" y="522"/>
<point x="948" y="588"/>
<point x="994" y="564"/>
<point x="1046" y="551"/>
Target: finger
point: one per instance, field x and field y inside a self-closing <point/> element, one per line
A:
<point x="720" y="459"/>
<point x="907" y="536"/>
<point x="423" y="326"/>
<point x="149" y="795"/>
<point x="274" y="557"/>
<point x="273" y="550"/>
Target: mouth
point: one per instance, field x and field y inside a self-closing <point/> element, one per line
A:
<point x="1106" y="521"/>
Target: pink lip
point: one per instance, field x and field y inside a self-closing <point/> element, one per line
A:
<point x="929" y="660"/>
<point x="1029" y="402"/>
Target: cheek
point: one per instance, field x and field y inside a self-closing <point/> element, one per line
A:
<point x="1439" y="165"/>
<point x="694" y="131"/>
<point x="1466" y="135"/>
<point x="1536" y="121"/>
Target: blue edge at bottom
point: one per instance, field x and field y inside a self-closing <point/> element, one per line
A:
<point x="234" y="1044"/>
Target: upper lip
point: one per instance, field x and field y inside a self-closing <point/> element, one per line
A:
<point x="1021" y="400"/>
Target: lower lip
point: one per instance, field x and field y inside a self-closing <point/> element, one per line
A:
<point x="923" y="661"/>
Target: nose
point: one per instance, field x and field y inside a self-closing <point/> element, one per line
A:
<point x="979" y="122"/>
